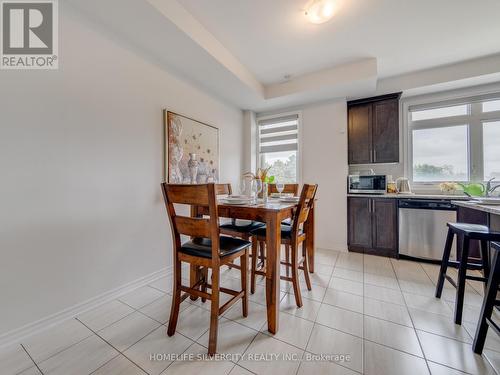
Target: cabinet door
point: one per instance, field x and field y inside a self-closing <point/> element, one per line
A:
<point x="360" y="134"/>
<point x="385" y="226"/>
<point x="386" y="131"/>
<point x="359" y="225"/>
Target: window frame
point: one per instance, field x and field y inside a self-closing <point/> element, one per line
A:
<point x="474" y="121"/>
<point x="299" y="139"/>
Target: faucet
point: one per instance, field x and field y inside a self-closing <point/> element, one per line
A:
<point x="488" y="189"/>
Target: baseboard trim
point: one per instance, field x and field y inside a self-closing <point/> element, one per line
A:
<point x="29" y="329"/>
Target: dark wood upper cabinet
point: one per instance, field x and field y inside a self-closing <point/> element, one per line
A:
<point x="372" y="226"/>
<point x="373" y="130"/>
<point x="360" y="134"/>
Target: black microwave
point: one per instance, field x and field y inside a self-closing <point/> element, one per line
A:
<point x="367" y="184"/>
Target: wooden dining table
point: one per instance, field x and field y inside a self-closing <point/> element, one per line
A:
<point x="272" y="213"/>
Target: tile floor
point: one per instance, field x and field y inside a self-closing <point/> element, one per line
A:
<point x="377" y="315"/>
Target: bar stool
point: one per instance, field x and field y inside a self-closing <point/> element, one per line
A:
<point x="466" y="232"/>
<point x="489" y="302"/>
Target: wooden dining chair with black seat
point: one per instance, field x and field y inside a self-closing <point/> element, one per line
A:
<point x="287" y="189"/>
<point x="207" y="249"/>
<point x="291" y="235"/>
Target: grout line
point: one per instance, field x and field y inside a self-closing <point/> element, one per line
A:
<point x="414" y="329"/>
<point x="32" y="360"/>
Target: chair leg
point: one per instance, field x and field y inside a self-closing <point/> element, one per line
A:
<point x="254" y="265"/>
<point x="487" y="307"/>
<point x="287" y="260"/>
<point x="194" y="276"/>
<point x="262" y="252"/>
<point x="204" y="275"/>
<point x="295" y="277"/>
<point x="176" y="302"/>
<point x="485" y="257"/>
<point x="444" y="263"/>
<point x="244" y="281"/>
<point x="305" y="266"/>
<point x="214" y="313"/>
<point x="462" y="272"/>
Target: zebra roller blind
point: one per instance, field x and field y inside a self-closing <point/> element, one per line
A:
<point x="278" y="134"/>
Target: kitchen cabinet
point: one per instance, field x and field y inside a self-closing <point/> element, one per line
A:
<point x="372" y="226"/>
<point x="373" y="130"/>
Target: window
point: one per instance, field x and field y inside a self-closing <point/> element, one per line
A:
<point x="457" y="141"/>
<point x="279" y="146"/>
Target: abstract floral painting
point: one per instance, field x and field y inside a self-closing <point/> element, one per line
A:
<point x="192" y="150"/>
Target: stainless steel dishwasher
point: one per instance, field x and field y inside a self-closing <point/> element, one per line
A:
<point x="422" y="227"/>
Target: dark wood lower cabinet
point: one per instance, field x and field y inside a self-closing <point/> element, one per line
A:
<point x="471" y="216"/>
<point x="372" y="226"/>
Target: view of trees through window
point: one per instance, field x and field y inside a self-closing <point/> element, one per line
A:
<point x="283" y="165"/>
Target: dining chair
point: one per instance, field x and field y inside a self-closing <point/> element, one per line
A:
<point x="206" y="249"/>
<point x="237" y="228"/>
<point x="291" y="236"/>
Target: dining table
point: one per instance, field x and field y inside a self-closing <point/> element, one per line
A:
<point x="272" y="213"/>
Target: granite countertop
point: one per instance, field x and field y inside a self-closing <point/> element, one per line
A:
<point x="480" y="207"/>
<point x="412" y="196"/>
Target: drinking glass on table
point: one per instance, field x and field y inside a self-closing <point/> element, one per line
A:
<point x="243" y="186"/>
<point x="280" y="187"/>
<point x="256" y="188"/>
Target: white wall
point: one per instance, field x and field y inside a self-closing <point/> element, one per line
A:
<point x="324" y="161"/>
<point x="81" y="161"/>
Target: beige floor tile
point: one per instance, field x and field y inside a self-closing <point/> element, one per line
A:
<point x="323" y="368"/>
<point x="344" y="273"/>
<point x="392" y="335"/>
<point x="439" y="324"/>
<point x="293" y="330"/>
<point x="201" y="366"/>
<point x="437" y="369"/>
<point x="344" y="300"/>
<point x="266" y="345"/>
<point x="129" y="330"/>
<point x="31" y="371"/>
<point x="141" y="297"/>
<point x="105" y="315"/>
<point x="82" y="358"/>
<point x="343" y="320"/>
<point x="316" y="293"/>
<point x="257" y="315"/>
<point x="13" y="360"/>
<point x="164" y="284"/>
<point x="193" y="322"/>
<point x="383" y="360"/>
<point x="347" y="286"/>
<point x="238" y="370"/>
<point x="381" y="271"/>
<point x="383" y="294"/>
<point x="232" y="337"/>
<point x="119" y="365"/>
<point x="492" y="339"/>
<point x="162" y="347"/>
<point x="388" y="311"/>
<point x="329" y="341"/>
<point x="260" y="294"/>
<point x="309" y="309"/>
<point x="159" y="309"/>
<point x="469" y="313"/>
<point x="382" y="281"/>
<point x="493" y="358"/>
<point x="453" y="353"/>
<point x="47" y="343"/>
<point x="323" y="269"/>
<point x="316" y="278"/>
<point x="430" y="304"/>
<point x="426" y="288"/>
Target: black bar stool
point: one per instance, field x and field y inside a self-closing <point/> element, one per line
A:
<point x="465" y="232"/>
<point x="489" y="302"/>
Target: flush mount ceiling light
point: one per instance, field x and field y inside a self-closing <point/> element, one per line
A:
<point x="319" y="11"/>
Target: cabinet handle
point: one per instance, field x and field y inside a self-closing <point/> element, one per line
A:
<point x="374" y="155"/>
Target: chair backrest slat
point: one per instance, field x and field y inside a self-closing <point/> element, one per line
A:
<point x="223" y="189"/>
<point x="306" y="202"/>
<point x="193" y="195"/>
<point x="288" y="189"/>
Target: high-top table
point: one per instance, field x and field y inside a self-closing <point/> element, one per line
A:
<point x="271" y="213"/>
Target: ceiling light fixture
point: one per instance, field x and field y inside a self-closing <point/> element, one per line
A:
<point x="319" y="11"/>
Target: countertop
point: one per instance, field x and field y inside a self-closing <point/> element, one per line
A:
<point x="412" y="196"/>
<point x="495" y="210"/>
